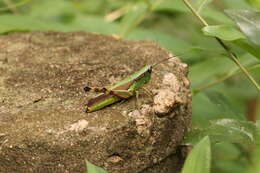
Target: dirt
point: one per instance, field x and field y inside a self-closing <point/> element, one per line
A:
<point x="43" y="123"/>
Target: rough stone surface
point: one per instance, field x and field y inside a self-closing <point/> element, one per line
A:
<point x="43" y="124"/>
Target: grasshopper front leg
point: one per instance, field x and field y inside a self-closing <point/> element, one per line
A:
<point x="125" y="94"/>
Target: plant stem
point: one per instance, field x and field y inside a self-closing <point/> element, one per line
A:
<point x="196" y="91"/>
<point x="195" y="12"/>
<point x="231" y="54"/>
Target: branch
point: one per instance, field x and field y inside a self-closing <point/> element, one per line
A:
<point x="231" y="54"/>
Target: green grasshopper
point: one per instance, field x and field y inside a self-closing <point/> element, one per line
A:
<point x="124" y="89"/>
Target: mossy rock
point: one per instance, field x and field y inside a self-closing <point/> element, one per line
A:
<point x="43" y="123"/>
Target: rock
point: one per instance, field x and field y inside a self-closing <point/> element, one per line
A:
<point x="43" y="124"/>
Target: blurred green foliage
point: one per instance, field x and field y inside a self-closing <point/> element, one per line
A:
<point x="199" y="158"/>
<point x="221" y="93"/>
<point x="93" y="168"/>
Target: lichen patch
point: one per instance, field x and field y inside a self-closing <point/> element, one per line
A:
<point x="142" y="120"/>
<point x="164" y="101"/>
<point x="171" y="81"/>
<point x="79" y="126"/>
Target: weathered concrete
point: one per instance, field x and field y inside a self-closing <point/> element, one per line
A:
<point x="43" y="126"/>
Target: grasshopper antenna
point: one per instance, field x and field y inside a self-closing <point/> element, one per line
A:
<point x="172" y="56"/>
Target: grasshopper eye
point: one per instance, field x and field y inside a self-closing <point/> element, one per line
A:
<point x="87" y="110"/>
<point x="150" y="70"/>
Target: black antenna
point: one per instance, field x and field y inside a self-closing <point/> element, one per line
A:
<point x="172" y="56"/>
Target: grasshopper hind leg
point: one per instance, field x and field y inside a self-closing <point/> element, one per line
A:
<point x="95" y="89"/>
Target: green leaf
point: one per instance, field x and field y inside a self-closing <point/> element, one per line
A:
<point x="133" y="18"/>
<point x="225" y="151"/>
<point x="235" y="4"/>
<point x="248" y="46"/>
<point x="171" y="5"/>
<point x="248" y="22"/>
<point x="174" y="6"/>
<point x="227" y="157"/>
<point x="205" y="71"/>
<point x="255" y="167"/>
<point x="216" y="15"/>
<point x="223" y="104"/>
<point x="228" y="130"/>
<point x="93" y="168"/>
<point x="224" y="32"/>
<point x="239" y="90"/>
<point x="199" y="158"/>
<point x="215" y="68"/>
<point x="212" y="105"/>
<point x="234" y="166"/>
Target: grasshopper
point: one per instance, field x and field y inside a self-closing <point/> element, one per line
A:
<point x="124" y="89"/>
